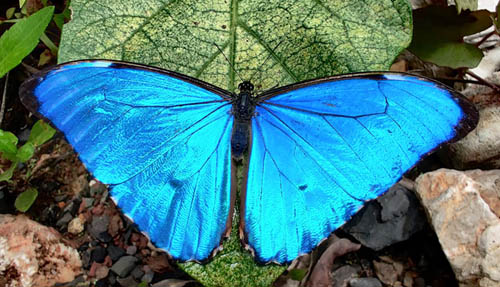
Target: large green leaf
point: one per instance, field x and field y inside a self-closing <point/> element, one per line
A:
<point x="17" y="42"/>
<point x="316" y="38"/>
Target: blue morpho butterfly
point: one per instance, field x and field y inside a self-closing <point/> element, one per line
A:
<point x="167" y="145"/>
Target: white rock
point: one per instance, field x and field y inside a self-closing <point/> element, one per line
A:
<point x="36" y="253"/>
<point x="466" y="226"/>
<point x="75" y="226"/>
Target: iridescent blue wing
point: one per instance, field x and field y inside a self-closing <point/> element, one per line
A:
<point x="160" y="139"/>
<point x="321" y="149"/>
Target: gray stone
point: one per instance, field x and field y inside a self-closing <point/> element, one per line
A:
<point x="127" y="282"/>
<point x="99" y="225"/>
<point x="98" y="254"/>
<point x="137" y="273"/>
<point x="148" y="277"/>
<point x="115" y="252"/>
<point x="131" y="250"/>
<point x="365" y="282"/>
<point x="342" y="275"/>
<point x="392" y="218"/>
<point x="72" y="206"/>
<point x="60" y="197"/>
<point x="89" y="201"/>
<point x="124" y="265"/>
<point x="64" y="220"/>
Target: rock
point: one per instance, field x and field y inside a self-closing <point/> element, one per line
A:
<point x="159" y="263"/>
<point x="86" y="259"/>
<point x="385" y="272"/>
<point x="88" y="201"/>
<point x="98" y="228"/>
<point x="115" y="225"/>
<point x="391" y="218"/>
<point x="344" y="274"/>
<point x="137" y="273"/>
<point x="35" y="254"/>
<point x="481" y="147"/>
<point x="49" y="214"/>
<point x="72" y="206"/>
<point x="96" y="187"/>
<point x="489" y="187"/>
<point x="115" y="252"/>
<point x="466" y="226"/>
<point x="148" y="274"/>
<point x="124" y="265"/>
<point x="101" y="272"/>
<point x="80" y="186"/>
<point x="131" y="250"/>
<point x="365" y="282"/>
<point x="60" y="197"/>
<point x="76" y="226"/>
<point x="127" y="282"/>
<point x="98" y="254"/>
<point x="64" y="220"/>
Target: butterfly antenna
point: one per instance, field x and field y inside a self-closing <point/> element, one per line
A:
<point x="230" y="64"/>
<point x="265" y="61"/>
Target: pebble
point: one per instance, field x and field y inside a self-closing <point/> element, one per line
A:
<point x="98" y="254"/>
<point x="96" y="188"/>
<point x="49" y="214"/>
<point x="115" y="252"/>
<point x="137" y="273"/>
<point x="101" y="272"/>
<point x="111" y="279"/>
<point x="89" y="202"/>
<point x="98" y="228"/>
<point x="72" y="206"/>
<point x="124" y="265"/>
<point x="343" y="274"/>
<point x="75" y="226"/>
<point x="60" y="197"/>
<point x="64" y="220"/>
<point x="365" y="282"/>
<point x="127" y="282"/>
<point x="131" y="250"/>
<point x="85" y="259"/>
<point x="148" y="274"/>
<point x="385" y="272"/>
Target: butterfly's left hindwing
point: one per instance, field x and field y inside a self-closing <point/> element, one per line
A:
<point x="159" y="139"/>
<point x="321" y="149"/>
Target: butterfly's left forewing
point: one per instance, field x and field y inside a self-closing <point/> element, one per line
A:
<point x="321" y="149"/>
<point x="160" y="139"/>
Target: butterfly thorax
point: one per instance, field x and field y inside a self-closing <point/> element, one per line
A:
<point x="244" y="105"/>
<point x="243" y="110"/>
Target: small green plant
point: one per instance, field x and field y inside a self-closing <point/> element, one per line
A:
<point x="17" y="42"/>
<point x="40" y="133"/>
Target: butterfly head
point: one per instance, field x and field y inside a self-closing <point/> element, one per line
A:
<point x="245" y="86"/>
